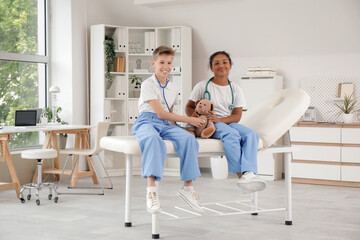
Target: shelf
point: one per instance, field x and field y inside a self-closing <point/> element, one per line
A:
<point x="120" y="51"/>
<point x="117" y="123"/>
<point x="117" y="73"/>
<point x="133" y="99"/>
<point x="141" y="73"/>
<point x="139" y="55"/>
<point x="116" y="99"/>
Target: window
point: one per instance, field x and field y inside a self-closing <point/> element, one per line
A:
<point x="23" y="62"/>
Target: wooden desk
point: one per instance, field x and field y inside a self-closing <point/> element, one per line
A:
<point x="51" y="131"/>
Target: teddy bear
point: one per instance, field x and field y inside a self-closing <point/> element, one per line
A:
<point x="203" y="108"/>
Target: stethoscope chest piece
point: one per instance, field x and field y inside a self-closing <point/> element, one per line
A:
<point x="231" y="107"/>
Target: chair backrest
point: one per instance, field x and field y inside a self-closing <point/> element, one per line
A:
<point x="101" y="131"/>
<point x="276" y="114"/>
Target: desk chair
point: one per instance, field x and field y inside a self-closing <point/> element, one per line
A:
<point x="101" y="131"/>
<point x="39" y="154"/>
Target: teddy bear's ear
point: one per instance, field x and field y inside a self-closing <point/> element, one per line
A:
<point x="212" y="107"/>
<point x="197" y="101"/>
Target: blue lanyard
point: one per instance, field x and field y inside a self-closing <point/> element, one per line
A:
<point x="163" y="90"/>
<point x="231" y="107"/>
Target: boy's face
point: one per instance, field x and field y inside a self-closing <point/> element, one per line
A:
<point x="163" y="65"/>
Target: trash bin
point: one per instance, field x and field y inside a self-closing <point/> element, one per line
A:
<point x="219" y="167"/>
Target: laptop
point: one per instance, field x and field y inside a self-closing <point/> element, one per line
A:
<point x="25" y="117"/>
<point x="38" y="113"/>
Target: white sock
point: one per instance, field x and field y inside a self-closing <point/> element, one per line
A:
<point x="189" y="188"/>
<point x="151" y="189"/>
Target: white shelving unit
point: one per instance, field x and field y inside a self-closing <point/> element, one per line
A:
<point x="117" y="104"/>
<point x="255" y="89"/>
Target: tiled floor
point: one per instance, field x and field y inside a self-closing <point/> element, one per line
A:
<point x="319" y="212"/>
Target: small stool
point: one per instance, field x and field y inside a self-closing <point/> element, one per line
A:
<point x="39" y="154"/>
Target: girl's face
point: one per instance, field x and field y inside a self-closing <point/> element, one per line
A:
<point x="163" y="65"/>
<point x="221" y="65"/>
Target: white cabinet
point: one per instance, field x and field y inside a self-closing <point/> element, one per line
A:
<point x="329" y="153"/>
<point x="255" y="89"/>
<point x="114" y="100"/>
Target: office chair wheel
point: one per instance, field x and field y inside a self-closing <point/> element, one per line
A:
<point x="28" y="197"/>
<point x="56" y="199"/>
<point x="50" y="196"/>
<point x="22" y="200"/>
<point x="38" y="202"/>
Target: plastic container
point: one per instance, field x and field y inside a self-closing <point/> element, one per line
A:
<point x="219" y="167"/>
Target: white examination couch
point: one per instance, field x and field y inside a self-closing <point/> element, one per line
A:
<point x="271" y="119"/>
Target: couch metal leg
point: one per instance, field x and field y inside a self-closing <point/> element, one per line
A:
<point x="288" y="200"/>
<point x="155" y="226"/>
<point x="128" y="190"/>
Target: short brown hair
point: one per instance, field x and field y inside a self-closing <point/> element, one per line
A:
<point x="163" y="50"/>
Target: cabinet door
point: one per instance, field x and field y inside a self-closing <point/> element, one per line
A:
<point x="350" y="135"/>
<point x="313" y="134"/>
<point x="350" y="154"/>
<point x="317" y="153"/>
<point x="316" y="171"/>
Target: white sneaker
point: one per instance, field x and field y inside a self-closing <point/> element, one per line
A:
<point x="152" y="202"/>
<point x="249" y="182"/>
<point x="191" y="198"/>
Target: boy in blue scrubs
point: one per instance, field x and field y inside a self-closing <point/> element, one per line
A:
<point x="152" y="127"/>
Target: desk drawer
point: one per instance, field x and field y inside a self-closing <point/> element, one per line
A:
<point x="313" y="134"/>
<point x="350" y="135"/>
<point x="317" y="153"/>
<point x="316" y="171"/>
<point x="350" y="173"/>
<point x="350" y="154"/>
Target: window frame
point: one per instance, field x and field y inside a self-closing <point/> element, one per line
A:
<point x="45" y="59"/>
<point x="36" y="59"/>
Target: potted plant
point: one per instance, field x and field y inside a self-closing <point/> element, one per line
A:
<point x="62" y="138"/>
<point x="137" y="81"/>
<point x="109" y="44"/>
<point x="347" y="107"/>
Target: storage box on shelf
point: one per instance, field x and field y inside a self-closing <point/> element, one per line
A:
<point x="114" y="100"/>
<point x="329" y="155"/>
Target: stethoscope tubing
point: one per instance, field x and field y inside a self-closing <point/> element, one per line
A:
<point x="167" y="105"/>
<point x="231" y="107"/>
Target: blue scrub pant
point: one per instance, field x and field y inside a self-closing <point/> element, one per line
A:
<point x="240" y="146"/>
<point x="150" y="131"/>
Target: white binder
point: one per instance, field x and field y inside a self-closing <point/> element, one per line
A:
<point x="178" y="39"/>
<point x="152" y="42"/>
<point x="118" y="39"/>
<point x="147" y="43"/>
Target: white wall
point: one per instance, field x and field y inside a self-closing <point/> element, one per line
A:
<point x="298" y="37"/>
<point x="68" y="51"/>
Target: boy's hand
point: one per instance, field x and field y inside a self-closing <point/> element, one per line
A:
<point x="197" y="122"/>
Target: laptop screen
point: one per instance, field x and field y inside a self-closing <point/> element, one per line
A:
<point x="25" y="118"/>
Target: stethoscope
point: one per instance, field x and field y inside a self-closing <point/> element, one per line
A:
<point x="231" y="107"/>
<point x="163" y="90"/>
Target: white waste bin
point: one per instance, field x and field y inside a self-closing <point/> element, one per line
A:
<point x="219" y="167"/>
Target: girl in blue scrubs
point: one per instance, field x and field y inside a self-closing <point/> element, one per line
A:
<point x="152" y="127"/>
<point x="240" y="142"/>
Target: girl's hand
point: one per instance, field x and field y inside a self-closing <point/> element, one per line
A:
<point x="197" y="122"/>
<point x="213" y="117"/>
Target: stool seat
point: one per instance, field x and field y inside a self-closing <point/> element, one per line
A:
<point x="39" y="154"/>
